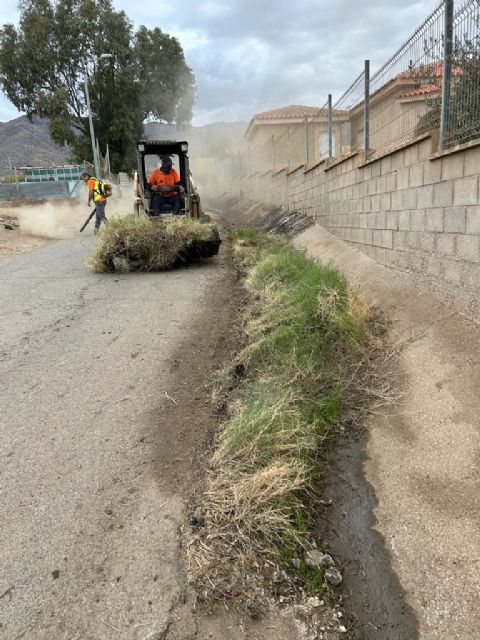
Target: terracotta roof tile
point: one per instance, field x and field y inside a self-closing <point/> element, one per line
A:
<point x="421" y="91"/>
<point x="432" y="70"/>
<point x="291" y="111"/>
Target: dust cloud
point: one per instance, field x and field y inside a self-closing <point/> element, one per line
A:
<point x="63" y="218"/>
<point x="52" y="219"/>
<point x="214" y="152"/>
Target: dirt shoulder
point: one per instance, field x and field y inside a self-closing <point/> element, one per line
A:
<point x="422" y="454"/>
<point x="14" y="241"/>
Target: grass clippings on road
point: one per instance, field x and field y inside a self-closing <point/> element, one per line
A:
<point x="304" y="373"/>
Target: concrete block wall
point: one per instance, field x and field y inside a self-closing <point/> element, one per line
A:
<point x="413" y="210"/>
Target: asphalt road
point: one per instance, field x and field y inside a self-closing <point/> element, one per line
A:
<point x="88" y="536"/>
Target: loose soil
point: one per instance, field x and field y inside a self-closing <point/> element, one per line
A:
<point x="374" y="600"/>
<point x="187" y="418"/>
<point x="16" y="241"/>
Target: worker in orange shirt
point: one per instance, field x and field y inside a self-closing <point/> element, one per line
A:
<point x="95" y="194"/>
<point x="165" y="187"/>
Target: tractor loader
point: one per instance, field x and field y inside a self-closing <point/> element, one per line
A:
<point x="149" y="153"/>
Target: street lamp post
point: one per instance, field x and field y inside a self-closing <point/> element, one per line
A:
<point x="92" y="131"/>
<point x="96" y="161"/>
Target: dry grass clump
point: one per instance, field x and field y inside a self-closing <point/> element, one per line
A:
<point x="147" y="244"/>
<point x="306" y="371"/>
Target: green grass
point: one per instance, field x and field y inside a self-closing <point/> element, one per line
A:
<point x="302" y="333"/>
<point x="306" y="333"/>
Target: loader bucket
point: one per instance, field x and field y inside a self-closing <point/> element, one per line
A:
<point x="205" y="248"/>
<point x="130" y="243"/>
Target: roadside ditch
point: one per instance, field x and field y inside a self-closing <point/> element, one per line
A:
<point x="277" y="523"/>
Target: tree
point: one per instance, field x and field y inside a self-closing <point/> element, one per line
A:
<point x="67" y="38"/>
<point x="167" y="80"/>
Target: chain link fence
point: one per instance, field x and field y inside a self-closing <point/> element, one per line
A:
<point x="402" y="91"/>
<point x="431" y="85"/>
<point x="462" y="117"/>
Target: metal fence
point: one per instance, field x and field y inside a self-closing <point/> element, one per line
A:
<point x="402" y="91"/>
<point x="430" y="84"/>
<point x="462" y="98"/>
<point x="52" y="174"/>
<point x="293" y="147"/>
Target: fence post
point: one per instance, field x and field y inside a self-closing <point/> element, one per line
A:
<point x="92" y="132"/>
<point x="107" y="164"/>
<point x="447" y="69"/>
<point x="99" y="160"/>
<point x="366" y="110"/>
<point x="17" y="184"/>
<point x="273" y="151"/>
<point x="288" y="147"/>
<point x="330" y="131"/>
<point x="305" y="120"/>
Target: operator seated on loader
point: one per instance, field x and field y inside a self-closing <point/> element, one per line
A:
<point x="165" y="187"/>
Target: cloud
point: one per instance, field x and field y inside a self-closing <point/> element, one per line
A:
<point x="252" y="55"/>
<point x="7" y="110"/>
<point x="192" y="39"/>
<point x="213" y="10"/>
<point x="258" y="55"/>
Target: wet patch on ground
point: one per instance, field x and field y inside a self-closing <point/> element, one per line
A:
<point x="373" y="598"/>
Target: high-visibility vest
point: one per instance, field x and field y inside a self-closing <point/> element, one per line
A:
<point x="93" y="184"/>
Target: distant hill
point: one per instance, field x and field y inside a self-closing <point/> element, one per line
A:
<point x="28" y="143"/>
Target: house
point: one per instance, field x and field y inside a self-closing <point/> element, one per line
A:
<point x="290" y="136"/>
<point x="399" y="107"/>
<point x="402" y="107"/>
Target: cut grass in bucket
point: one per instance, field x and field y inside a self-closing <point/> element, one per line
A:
<point x="150" y="244"/>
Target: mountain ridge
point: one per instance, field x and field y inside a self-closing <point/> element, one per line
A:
<point x="28" y="143"/>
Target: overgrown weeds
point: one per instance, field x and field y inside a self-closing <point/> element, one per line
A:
<point x="147" y="244"/>
<point x="305" y="373"/>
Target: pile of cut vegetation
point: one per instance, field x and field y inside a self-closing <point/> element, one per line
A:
<point x="134" y="243"/>
<point x="305" y="373"/>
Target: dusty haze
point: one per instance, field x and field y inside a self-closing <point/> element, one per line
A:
<point x="63" y="218"/>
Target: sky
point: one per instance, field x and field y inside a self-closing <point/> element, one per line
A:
<point x="253" y="55"/>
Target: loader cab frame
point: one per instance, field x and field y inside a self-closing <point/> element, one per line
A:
<point x="142" y="189"/>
